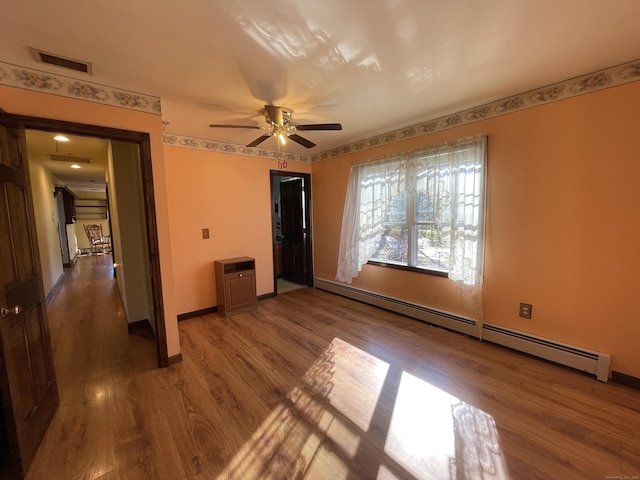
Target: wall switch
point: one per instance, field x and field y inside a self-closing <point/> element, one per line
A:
<point x="205" y="233"/>
<point x="525" y="310"/>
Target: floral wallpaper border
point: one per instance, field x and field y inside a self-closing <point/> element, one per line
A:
<point x="591" y="82"/>
<point x="30" y="79"/>
<point x="214" y="146"/>
<point x="607" y="78"/>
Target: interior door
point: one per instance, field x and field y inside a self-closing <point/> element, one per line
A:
<point x="29" y="393"/>
<point x="293" y="230"/>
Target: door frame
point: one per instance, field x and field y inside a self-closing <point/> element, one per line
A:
<point x="308" y="261"/>
<point x="142" y="139"/>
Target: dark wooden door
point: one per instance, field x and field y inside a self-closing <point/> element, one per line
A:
<point x="27" y="380"/>
<point x="293" y="230"/>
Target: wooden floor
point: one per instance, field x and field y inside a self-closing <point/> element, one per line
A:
<point x="312" y="385"/>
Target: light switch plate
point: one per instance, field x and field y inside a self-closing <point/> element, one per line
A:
<point x="205" y="233"/>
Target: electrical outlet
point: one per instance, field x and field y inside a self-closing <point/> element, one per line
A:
<point x="525" y="310"/>
<point x="205" y="233"/>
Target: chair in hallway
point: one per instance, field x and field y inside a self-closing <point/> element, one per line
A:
<point x="97" y="239"/>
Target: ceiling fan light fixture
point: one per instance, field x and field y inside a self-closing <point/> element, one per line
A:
<point x="281" y="126"/>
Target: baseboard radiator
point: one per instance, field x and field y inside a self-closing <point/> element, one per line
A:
<point x="595" y="363"/>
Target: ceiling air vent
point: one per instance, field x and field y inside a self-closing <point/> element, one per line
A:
<point x="69" y="158"/>
<point x="59" y="61"/>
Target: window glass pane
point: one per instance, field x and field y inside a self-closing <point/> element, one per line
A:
<point x="392" y="247"/>
<point x="432" y="218"/>
<point x="397" y="212"/>
<point x="426" y="208"/>
<point x="433" y="247"/>
<point x="433" y="199"/>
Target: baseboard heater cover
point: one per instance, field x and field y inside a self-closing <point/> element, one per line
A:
<point x="457" y="323"/>
<point x="588" y="361"/>
<point x="596" y="363"/>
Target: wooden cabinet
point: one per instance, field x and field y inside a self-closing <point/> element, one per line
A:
<point x="235" y="285"/>
<point x="67" y="213"/>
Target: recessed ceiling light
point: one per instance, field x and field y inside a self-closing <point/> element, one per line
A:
<point x="75" y="166"/>
<point x="61" y="138"/>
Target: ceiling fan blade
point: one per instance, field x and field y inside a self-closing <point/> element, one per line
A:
<point x="275" y="114"/>
<point x="302" y="141"/>
<point x="320" y="126"/>
<point x="258" y="141"/>
<point x="215" y="125"/>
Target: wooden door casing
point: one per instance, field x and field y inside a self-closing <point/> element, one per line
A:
<point x="27" y="377"/>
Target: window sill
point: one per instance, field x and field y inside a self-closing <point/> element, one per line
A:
<point x="437" y="273"/>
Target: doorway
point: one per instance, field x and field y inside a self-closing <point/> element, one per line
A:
<point x="137" y="146"/>
<point x="291" y="230"/>
<point x="29" y="397"/>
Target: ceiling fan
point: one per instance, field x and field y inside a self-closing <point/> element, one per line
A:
<point x="280" y="125"/>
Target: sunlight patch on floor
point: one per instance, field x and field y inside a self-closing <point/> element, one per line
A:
<point x="325" y="428"/>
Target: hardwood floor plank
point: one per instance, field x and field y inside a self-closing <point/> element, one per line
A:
<point x="311" y="385"/>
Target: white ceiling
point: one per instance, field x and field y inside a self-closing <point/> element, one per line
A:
<point x="89" y="180"/>
<point x="372" y="65"/>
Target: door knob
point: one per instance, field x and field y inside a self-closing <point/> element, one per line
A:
<point x="5" y="311"/>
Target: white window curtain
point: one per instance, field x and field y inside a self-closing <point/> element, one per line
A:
<point x="453" y="175"/>
<point x="369" y="192"/>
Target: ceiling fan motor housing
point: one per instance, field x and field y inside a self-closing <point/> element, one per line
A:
<point x="280" y="125"/>
<point x="275" y="115"/>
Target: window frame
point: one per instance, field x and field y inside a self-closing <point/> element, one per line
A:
<point x="451" y="194"/>
<point x="412" y="225"/>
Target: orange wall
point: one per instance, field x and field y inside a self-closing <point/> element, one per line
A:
<point x="563" y="223"/>
<point x="231" y="196"/>
<point x="562" y="229"/>
<point x="24" y="102"/>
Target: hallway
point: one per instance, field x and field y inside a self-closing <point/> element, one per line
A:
<point x="89" y="330"/>
<point x="96" y="361"/>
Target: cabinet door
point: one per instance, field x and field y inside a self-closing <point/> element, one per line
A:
<point x="240" y="290"/>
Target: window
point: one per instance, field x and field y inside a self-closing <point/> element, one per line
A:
<point x="422" y="209"/>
